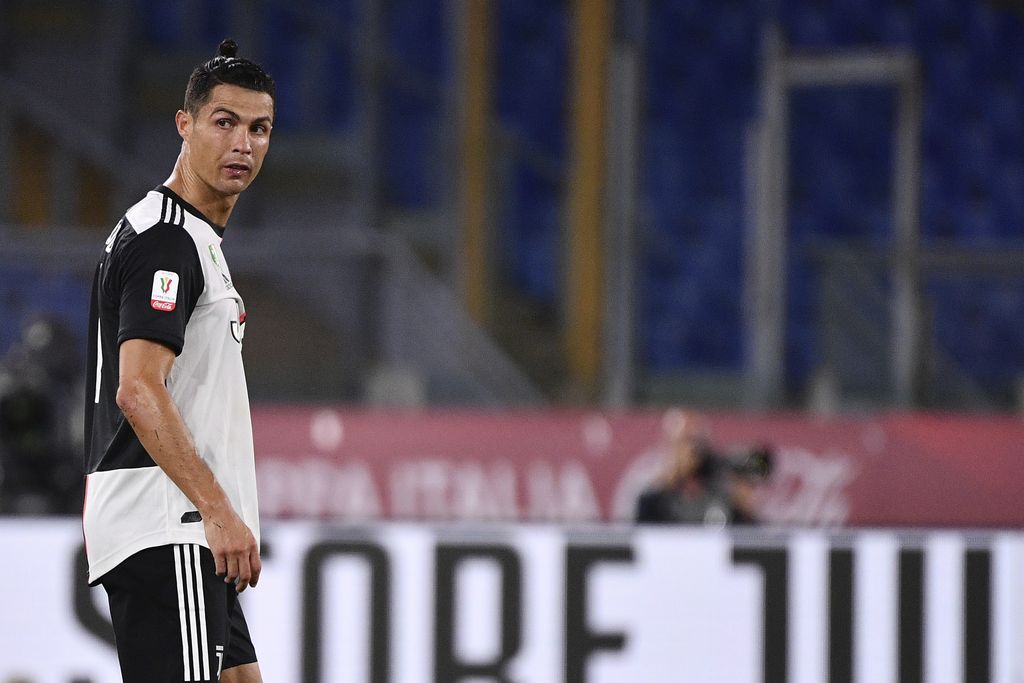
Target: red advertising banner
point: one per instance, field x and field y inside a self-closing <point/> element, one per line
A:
<point x="891" y="470"/>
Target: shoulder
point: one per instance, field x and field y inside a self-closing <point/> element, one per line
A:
<point x="152" y="223"/>
<point x="160" y="241"/>
<point x="157" y="222"/>
<point x="159" y="249"/>
<point x="155" y="209"/>
<point x="651" y="497"/>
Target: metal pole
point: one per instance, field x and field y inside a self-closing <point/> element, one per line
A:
<point x="371" y="81"/>
<point x="474" y="118"/>
<point x="393" y="310"/>
<point x="906" y="265"/>
<point x="621" y="202"/>
<point x="767" y="253"/>
<point x="766" y="269"/>
<point x="583" y="305"/>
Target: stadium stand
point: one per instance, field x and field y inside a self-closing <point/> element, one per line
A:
<point x="700" y="85"/>
<point x="701" y="90"/>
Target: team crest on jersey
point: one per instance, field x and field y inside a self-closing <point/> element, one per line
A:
<point x="165" y="291"/>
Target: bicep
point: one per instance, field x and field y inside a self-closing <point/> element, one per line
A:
<point x="146" y="403"/>
<point x="145" y="361"/>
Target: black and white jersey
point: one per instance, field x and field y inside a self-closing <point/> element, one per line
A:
<point x="163" y="277"/>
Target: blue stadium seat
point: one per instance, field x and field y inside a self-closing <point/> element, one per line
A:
<point x="282" y="58"/>
<point x="416" y="36"/>
<point x="160" y="22"/>
<point x="898" y="25"/>
<point x="700" y="80"/>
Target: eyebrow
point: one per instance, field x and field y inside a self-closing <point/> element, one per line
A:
<point x="225" y="110"/>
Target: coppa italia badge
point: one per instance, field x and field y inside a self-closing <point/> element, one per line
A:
<point x="165" y="290"/>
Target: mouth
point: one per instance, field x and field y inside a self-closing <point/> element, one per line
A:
<point x="236" y="170"/>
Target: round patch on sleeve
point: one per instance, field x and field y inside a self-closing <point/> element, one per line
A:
<point x="165" y="290"/>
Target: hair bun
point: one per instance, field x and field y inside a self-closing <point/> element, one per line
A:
<point x="228" y="48"/>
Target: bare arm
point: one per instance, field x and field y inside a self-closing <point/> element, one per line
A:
<point x="147" y="405"/>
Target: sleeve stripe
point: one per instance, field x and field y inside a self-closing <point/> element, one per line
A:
<point x="172" y="213"/>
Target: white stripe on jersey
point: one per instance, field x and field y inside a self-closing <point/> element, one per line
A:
<point x="99" y="358"/>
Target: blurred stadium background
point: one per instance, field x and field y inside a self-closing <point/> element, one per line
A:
<point x="497" y="246"/>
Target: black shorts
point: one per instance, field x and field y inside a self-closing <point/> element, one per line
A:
<point x="174" y="619"/>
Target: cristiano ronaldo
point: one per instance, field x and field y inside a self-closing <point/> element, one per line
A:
<point x="170" y="516"/>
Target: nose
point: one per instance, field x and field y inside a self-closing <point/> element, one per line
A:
<point x="242" y="144"/>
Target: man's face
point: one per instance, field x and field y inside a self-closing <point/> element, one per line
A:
<point x="685" y="456"/>
<point x="228" y="137"/>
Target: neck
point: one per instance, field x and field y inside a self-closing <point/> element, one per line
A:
<point x="187" y="185"/>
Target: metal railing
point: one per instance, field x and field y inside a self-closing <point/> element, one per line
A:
<point x="855" y="324"/>
<point x="783" y="71"/>
<point x="416" y="321"/>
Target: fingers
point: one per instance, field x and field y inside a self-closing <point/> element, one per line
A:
<point x="219" y="563"/>
<point x="232" y="572"/>
<point x="256" y="566"/>
<point x="236" y="554"/>
<point x="244" y="573"/>
<point x="249" y="567"/>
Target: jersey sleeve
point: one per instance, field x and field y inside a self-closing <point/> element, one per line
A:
<point x="161" y="280"/>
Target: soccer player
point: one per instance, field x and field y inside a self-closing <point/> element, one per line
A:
<point x="170" y="518"/>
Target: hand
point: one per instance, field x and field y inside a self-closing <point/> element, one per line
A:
<point x="236" y="555"/>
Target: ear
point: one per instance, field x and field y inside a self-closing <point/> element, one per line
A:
<point x="183" y="121"/>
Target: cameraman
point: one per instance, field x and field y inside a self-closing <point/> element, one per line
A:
<point x="700" y="486"/>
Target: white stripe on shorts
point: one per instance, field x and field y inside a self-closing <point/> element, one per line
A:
<point x="204" y="654"/>
<point x="188" y="574"/>
<point x="182" y="609"/>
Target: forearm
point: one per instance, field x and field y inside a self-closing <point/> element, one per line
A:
<point x="151" y="412"/>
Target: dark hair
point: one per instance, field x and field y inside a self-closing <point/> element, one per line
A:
<point x="225" y="68"/>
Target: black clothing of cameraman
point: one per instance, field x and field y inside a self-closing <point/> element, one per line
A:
<point x="700" y="486"/>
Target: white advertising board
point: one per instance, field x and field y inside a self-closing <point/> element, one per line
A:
<point x="545" y="604"/>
